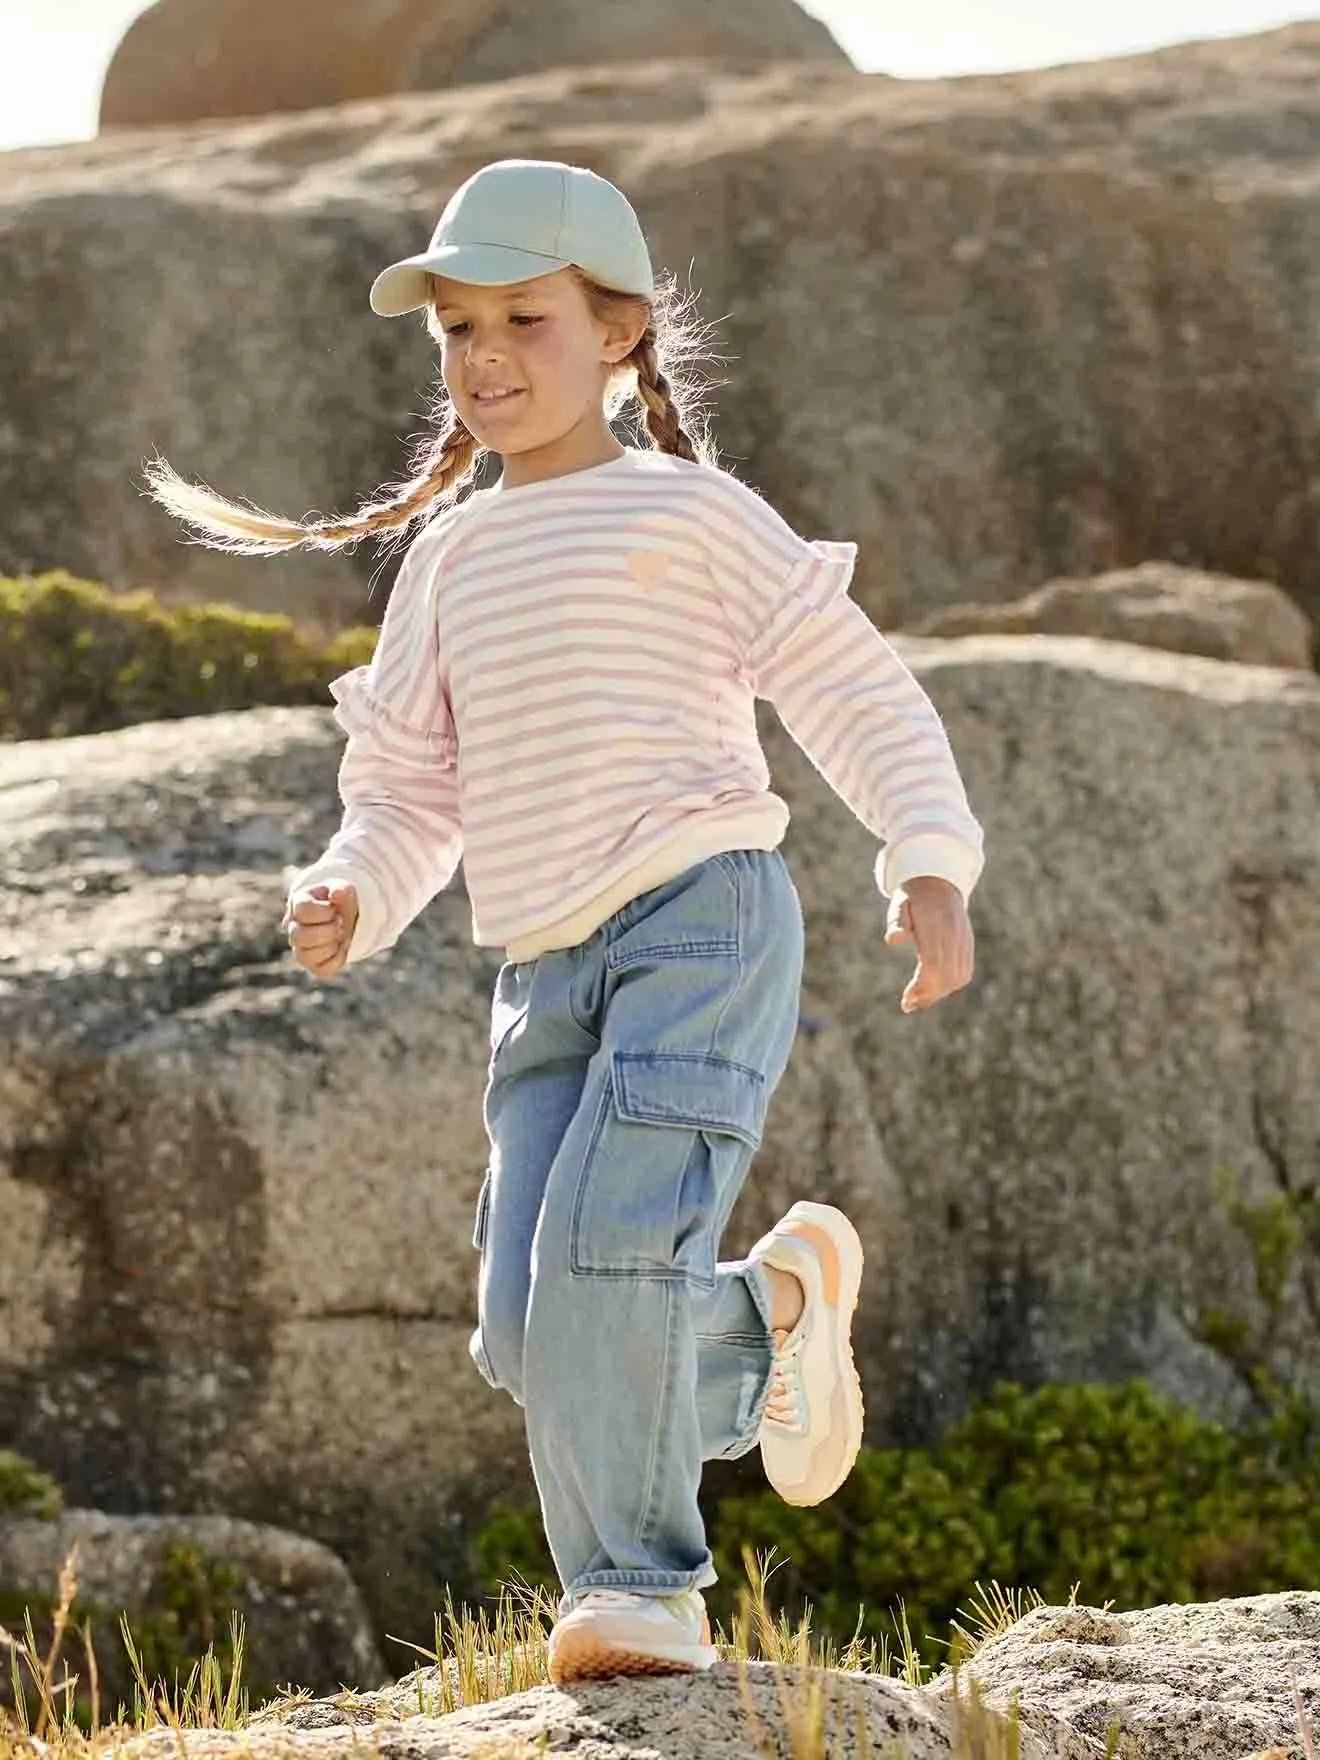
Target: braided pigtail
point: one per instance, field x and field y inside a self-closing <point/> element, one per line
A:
<point x="443" y="461"/>
<point x="657" y="372"/>
<point x="656" y="395"/>
<point x="654" y="374"/>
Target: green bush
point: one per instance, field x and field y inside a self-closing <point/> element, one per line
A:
<point x="1134" y="1498"/>
<point x="76" y="658"/>
<point x="1130" y="1496"/>
<point x="187" y="1610"/>
<point x="26" y="1491"/>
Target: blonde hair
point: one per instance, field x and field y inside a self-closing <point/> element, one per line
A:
<point x="444" y="461"/>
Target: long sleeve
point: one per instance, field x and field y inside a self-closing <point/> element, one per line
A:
<point x="844" y="693"/>
<point x="401" y="838"/>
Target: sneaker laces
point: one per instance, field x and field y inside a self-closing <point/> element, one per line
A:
<point x="786" y="1406"/>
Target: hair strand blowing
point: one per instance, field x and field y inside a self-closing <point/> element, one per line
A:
<point x="446" y="457"/>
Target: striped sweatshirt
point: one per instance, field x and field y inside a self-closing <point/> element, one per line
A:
<point x="563" y="696"/>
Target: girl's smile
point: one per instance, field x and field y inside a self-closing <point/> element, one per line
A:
<point x="527" y="365"/>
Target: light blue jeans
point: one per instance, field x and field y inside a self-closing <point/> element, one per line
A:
<point x="626" y="1096"/>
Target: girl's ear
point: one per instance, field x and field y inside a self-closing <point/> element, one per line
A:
<point x="621" y="339"/>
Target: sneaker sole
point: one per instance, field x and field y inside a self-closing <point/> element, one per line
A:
<point x="584" y="1655"/>
<point x="830" y="1231"/>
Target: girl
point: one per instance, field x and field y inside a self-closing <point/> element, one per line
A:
<point x="563" y="693"/>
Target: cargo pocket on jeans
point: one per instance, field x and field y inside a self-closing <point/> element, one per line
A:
<point x="483" y="1214"/>
<point x="673" y="1134"/>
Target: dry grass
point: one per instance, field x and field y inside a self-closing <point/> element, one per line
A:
<point x="202" y="1702"/>
<point x="481" y="1656"/>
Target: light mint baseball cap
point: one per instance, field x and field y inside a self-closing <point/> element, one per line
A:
<point x="518" y="218"/>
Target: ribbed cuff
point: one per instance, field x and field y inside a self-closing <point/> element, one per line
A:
<point x="372" y="922"/>
<point x="930" y="852"/>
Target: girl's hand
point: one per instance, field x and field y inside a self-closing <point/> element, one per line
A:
<point x="935" y="917"/>
<point x="320" y="922"/>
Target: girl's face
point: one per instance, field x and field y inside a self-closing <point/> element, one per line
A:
<point x="536" y="339"/>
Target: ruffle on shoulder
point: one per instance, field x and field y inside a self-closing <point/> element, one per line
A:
<point x="821" y="576"/>
<point x="365" y="717"/>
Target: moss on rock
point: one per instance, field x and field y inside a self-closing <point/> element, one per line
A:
<point x="26" y="1491"/>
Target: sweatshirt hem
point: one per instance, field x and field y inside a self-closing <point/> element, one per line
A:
<point x="711" y="835"/>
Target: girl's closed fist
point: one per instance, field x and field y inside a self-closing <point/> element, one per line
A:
<point x="320" y="923"/>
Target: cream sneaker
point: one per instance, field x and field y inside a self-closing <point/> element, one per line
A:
<point x="615" y="1631"/>
<point x="812" y="1426"/>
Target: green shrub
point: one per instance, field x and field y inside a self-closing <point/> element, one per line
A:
<point x="76" y="658"/>
<point x="1130" y="1496"/>
<point x="187" y="1610"/>
<point x="26" y="1491"/>
<point x="1115" y="1488"/>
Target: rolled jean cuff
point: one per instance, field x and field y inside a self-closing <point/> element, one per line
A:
<point x="641" y="1582"/>
<point x="758" y="1286"/>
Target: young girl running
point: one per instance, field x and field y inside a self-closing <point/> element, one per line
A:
<point x="563" y="694"/>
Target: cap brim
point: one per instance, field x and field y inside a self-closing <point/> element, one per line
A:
<point x="403" y="287"/>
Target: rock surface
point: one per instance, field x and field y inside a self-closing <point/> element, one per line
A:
<point x="702" y="1717"/>
<point x="238" y="1205"/>
<point x="718" y="1715"/>
<point x="304" y="1620"/>
<point x="1155" y="604"/>
<point x="1211" y="1681"/>
<point x="194" y="60"/>
<point x="1208" y="1681"/>
<point x="996" y="329"/>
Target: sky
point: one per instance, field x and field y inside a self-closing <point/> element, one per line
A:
<point x="53" y="53"/>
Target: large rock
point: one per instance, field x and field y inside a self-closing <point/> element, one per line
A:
<point x="996" y="329"/>
<point x="237" y="1204"/>
<point x="1156" y="604"/>
<point x="303" y="1617"/>
<point x="1211" y="1680"/>
<point x="192" y="60"/>
<point x="734" y="1711"/>
<point x="729" y="1712"/>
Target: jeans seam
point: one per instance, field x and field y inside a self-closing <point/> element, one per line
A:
<point x="709" y="949"/>
<point x="584" y="1172"/>
<point x="512" y="1027"/>
<point x="736" y="986"/>
<point x="643" y="1535"/>
<point x="481" y="1356"/>
<point x="481" y="1222"/>
<point x="724" y="858"/>
<point x="577" y="965"/>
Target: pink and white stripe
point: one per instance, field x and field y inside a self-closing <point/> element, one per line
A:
<point x="563" y="695"/>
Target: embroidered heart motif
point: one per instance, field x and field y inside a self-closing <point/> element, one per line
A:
<point x="648" y="568"/>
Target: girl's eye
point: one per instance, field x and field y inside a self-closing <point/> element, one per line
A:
<point x="514" y="318"/>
